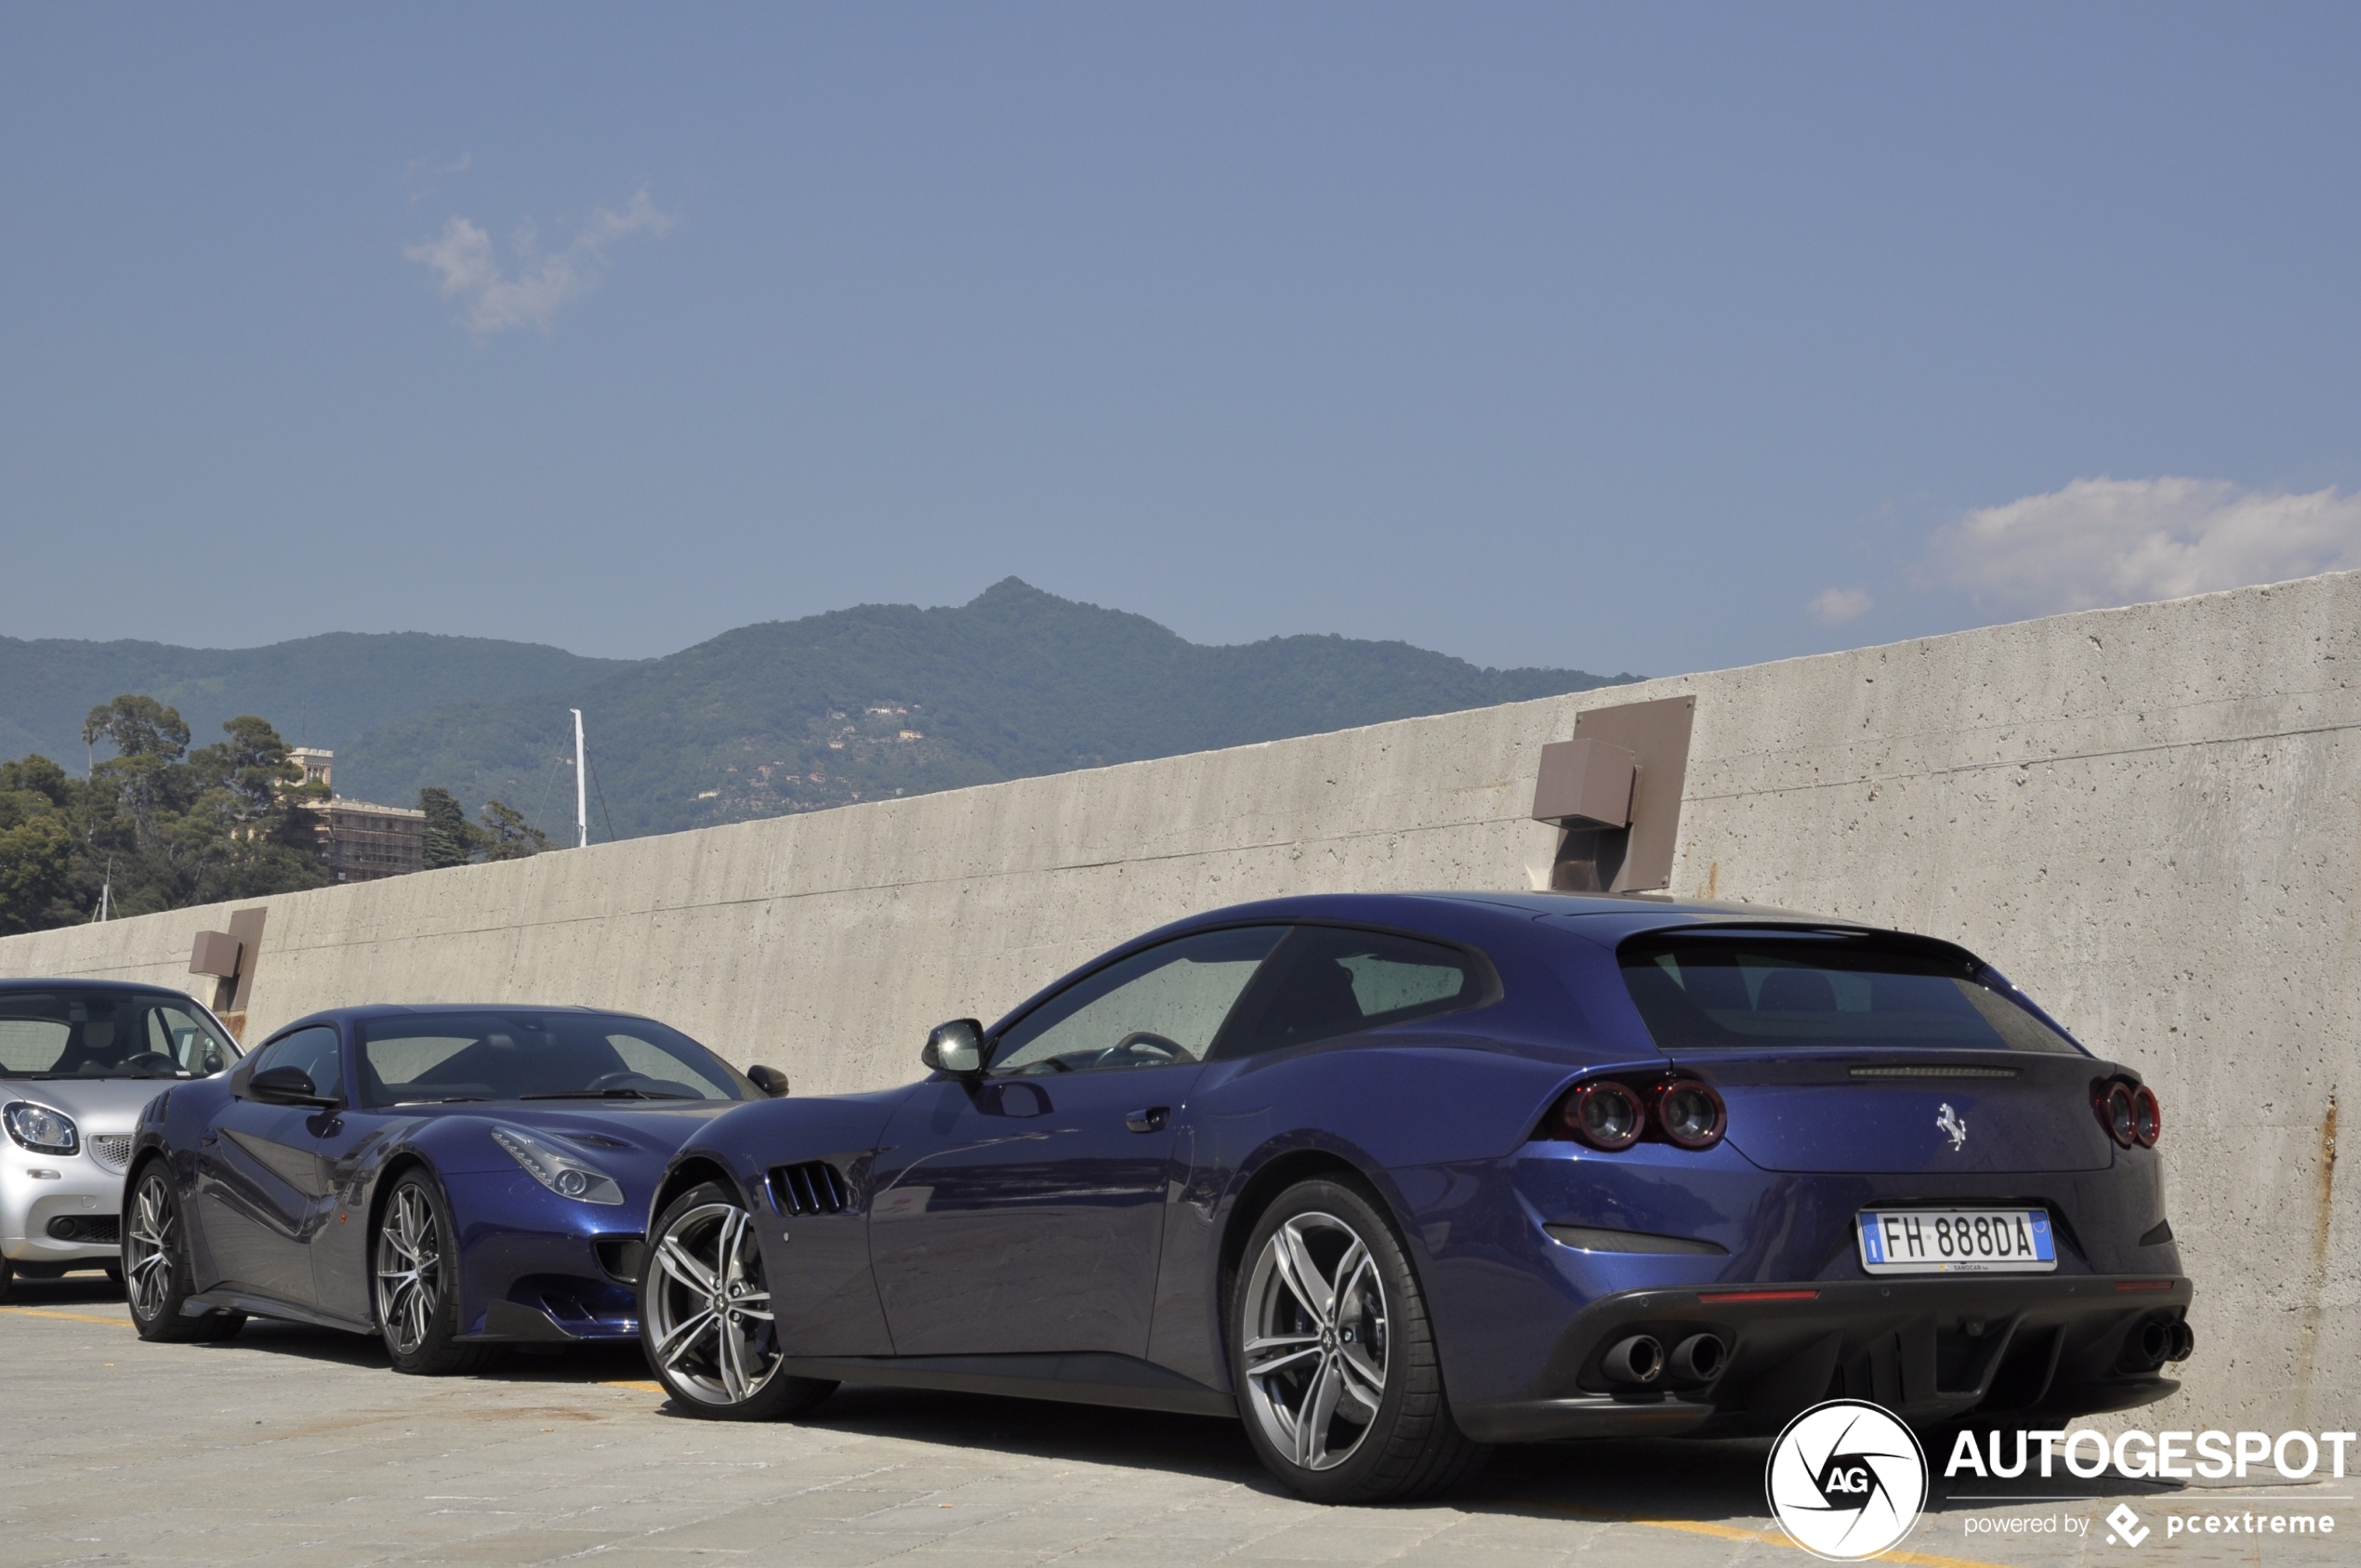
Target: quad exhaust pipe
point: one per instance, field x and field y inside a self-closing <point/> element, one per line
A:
<point x="2156" y="1341"/>
<point x="1698" y="1359"/>
<point x="1640" y="1360"/>
<point x="1636" y="1361"/>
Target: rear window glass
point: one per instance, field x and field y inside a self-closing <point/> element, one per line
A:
<point x="1714" y="990"/>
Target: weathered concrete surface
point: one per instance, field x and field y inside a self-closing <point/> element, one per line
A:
<point x="298" y="1446"/>
<point x="2148" y="816"/>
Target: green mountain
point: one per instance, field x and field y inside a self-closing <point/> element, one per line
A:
<point x="889" y="699"/>
<point x="316" y="691"/>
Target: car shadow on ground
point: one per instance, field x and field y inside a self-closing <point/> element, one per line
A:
<point x="69" y="1290"/>
<point x="1702" y="1482"/>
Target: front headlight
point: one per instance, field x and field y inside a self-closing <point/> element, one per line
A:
<point x="569" y="1176"/>
<point x="41" y="1129"/>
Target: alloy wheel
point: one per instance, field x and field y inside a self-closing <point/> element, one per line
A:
<point x="709" y="1307"/>
<point x="409" y="1269"/>
<point x="1316" y="1345"/>
<point x="148" y="1247"/>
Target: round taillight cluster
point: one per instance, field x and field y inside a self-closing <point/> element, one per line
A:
<point x="1612" y="1115"/>
<point x="2129" y="1112"/>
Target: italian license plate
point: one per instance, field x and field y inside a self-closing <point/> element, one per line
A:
<point x="1957" y="1240"/>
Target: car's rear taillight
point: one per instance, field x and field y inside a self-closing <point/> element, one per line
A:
<point x="1690" y="1114"/>
<point x="1604" y="1114"/>
<point x="1612" y="1114"/>
<point x="2129" y="1112"/>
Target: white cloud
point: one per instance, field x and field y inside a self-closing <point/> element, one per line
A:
<point x="2110" y="541"/>
<point x="1831" y="606"/>
<point x="467" y="268"/>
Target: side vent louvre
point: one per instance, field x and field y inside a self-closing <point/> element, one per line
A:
<point x="813" y="1187"/>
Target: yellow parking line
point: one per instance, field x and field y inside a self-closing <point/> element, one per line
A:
<point x="68" y="1317"/>
<point x="641" y="1387"/>
<point x="1732" y="1533"/>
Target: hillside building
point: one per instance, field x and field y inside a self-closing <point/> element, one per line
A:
<point x="358" y="840"/>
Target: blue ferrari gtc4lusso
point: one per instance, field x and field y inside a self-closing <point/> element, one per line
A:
<point x="1392" y="1178"/>
<point x="449" y="1177"/>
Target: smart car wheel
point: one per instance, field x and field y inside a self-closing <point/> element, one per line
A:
<point x="1333" y="1357"/>
<point x="705" y="1317"/>
<point x="156" y="1273"/>
<point x="418" y="1283"/>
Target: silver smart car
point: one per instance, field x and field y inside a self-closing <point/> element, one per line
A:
<point x="78" y="1060"/>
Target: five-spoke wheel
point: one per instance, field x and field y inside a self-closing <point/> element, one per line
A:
<point x="1333" y="1357"/>
<point x="1315" y="1355"/>
<point x="705" y="1315"/>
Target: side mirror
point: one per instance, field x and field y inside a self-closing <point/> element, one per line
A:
<point x="769" y="1080"/>
<point x="955" y="1047"/>
<point x="288" y="1086"/>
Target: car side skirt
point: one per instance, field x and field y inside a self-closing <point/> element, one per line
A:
<point x="1078" y="1378"/>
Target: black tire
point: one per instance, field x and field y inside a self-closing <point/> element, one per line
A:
<point x="8" y="1276"/>
<point x="1351" y="1349"/>
<point x="414" y="1283"/>
<point x="159" y="1277"/>
<point x="114" y="1274"/>
<point x="705" y="1315"/>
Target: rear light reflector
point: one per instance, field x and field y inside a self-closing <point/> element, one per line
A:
<point x="1721" y="1296"/>
<point x="2144" y="1284"/>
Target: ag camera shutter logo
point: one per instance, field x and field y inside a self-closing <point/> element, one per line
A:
<point x="1846" y="1480"/>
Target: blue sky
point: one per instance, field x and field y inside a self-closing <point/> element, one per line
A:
<point x="1652" y="338"/>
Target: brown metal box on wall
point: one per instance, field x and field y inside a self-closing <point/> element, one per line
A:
<point x="1597" y="852"/>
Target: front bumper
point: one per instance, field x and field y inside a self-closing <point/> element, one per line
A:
<point x="78" y="1195"/>
<point x="1928" y="1349"/>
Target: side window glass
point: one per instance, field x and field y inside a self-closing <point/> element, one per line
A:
<point x="1153" y="1008"/>
<point x="1327" y="981"/>
<point x="193" y="1048"/>
<point x="314" y="1051"/>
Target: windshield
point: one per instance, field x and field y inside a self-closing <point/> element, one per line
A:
<point x="1717" y="990"/>
<point x="436" y="1058"/>
<point x="109" y="1034"/>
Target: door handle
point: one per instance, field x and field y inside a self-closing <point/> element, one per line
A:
<point x="1149" y="1120"/>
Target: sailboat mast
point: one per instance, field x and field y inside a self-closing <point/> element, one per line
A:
<point x="581" y="787"/>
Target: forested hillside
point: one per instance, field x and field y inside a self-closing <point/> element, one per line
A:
<point x="320" y="690"/>
<point x="885" y="700"/>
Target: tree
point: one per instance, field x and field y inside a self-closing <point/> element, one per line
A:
<point x="36" y="846"/>
<point x="167" y="828"/>
<point x="452" y="839"/>
<point x="511" y="837"/>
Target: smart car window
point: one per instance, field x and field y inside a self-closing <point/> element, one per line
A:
<point x="106" y="1034"/>
<point x="1705" y="990"/>
<point x="438" y="1058"/>
<point x="30" y="1045"/>
<point x="1328" y="981"/>
<point x="1153" y="1008"/>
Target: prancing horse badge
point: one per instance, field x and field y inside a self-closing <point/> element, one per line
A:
<point x="1949" y="1122"/>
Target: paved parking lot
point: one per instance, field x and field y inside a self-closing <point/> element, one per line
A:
<point x="297" y="1447"/>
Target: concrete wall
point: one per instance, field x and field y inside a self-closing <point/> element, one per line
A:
<point x="2147" y="816"/>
